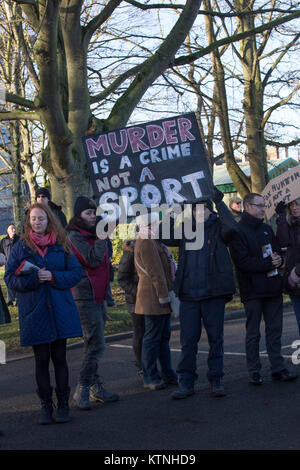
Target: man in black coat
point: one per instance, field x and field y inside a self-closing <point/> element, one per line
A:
<point x="204" y="283"/>
<point x="6" y="245"/>
<point x="257" y="258"/>
<point x="42" y="196"/>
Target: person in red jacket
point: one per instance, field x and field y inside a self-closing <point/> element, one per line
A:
<point x="90" y="294"/>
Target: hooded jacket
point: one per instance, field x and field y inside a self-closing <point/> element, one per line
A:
<point x="212" y="262"/>
<point x="47" y="311"/>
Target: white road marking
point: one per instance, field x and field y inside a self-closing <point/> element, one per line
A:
<point x="227" y="353"/>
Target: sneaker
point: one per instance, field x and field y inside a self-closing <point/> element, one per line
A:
<point x="155" y="385"/>
<point x="81" y="397"/>
<point x="217" y="389"/>
<point x="284" y="376"/>
<point x="182" y="393"/>
<point x="255" y="378"/>
<point x="98" y="393"/>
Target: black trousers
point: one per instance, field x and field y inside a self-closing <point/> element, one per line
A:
<point x="55" y="351"/>
<point x="271" y="308"/>
<point x="138" y="324"/>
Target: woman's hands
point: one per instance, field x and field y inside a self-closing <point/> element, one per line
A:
<point x="44" y="275"/>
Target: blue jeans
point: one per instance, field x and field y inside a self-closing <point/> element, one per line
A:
<point x="156" y="347"/>
<point x="92" y="317"/>
<point x="109" y="298"/>
<point x="192" y="313"/>
<point x="296" y="305"/>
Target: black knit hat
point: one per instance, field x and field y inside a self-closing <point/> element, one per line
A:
<point x="82" y="203"/>
<point x="42" y="191"/>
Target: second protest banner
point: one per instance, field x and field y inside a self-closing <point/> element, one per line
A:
<point x="285" y="187"/>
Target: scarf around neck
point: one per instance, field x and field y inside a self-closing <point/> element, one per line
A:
<point x="42" y="242"/>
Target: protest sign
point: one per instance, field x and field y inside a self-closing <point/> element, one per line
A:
<point x="159" y="162"/>
<point x="285" y="187"/>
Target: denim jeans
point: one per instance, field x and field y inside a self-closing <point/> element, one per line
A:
<point x="296" y="305"/>
<point x="156" y="347"/>
<point x="92" y="317"/>
<point x="271" y="309"/>
<point x="192" y="314"/>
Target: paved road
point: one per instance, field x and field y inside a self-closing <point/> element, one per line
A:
<point x="249" y="417"/>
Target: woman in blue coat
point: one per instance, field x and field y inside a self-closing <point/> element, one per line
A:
<point x="42" y="270"/>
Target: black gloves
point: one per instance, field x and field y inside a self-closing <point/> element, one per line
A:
<point x="217" y="195"/>
<point x="280" y="208"/>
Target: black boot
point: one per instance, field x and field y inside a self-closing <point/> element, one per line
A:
<point x="62" y="415"/>
<point x="47" y="407"/>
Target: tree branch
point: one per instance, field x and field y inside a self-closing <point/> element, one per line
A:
<point x="19" y="114"/>
<point x="279" y="104"/>
<point x="12" y="98"/>
<point x="183" y="60"/>
<point x="98" y="20"/>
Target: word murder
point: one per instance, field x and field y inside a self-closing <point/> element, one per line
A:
<point x="170" y="132"/>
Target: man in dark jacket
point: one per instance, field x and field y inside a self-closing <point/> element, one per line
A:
<point x="6" y="245"/>
<point x="42" y="196"/>
<point x="257" y="258"/>
<point x="204" y="283"/>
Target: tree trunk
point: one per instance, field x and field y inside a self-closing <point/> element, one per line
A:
<point x="239" y="179"/>
<point x="253" y="100"/>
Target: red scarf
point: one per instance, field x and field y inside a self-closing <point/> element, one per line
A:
<point x="41" y="242"/>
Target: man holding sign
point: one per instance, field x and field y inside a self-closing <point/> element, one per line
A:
<point x="257" y="258"/>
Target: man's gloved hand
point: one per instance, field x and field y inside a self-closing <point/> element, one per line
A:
<point x="280" y="208"/>
<point x="217" y="195"/>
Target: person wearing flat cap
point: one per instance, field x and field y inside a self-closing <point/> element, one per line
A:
<point x="90" y="294"/>
<point x="42" y="196"/>
<point x="235" y="205"/>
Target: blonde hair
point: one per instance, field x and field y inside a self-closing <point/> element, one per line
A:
<point x="288" y="213"/>
<point x="53" y="225"/>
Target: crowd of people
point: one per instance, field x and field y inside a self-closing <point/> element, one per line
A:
<point x="59" y="273"/>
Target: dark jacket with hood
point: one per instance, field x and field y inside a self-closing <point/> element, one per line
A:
<point x="58" y="212"/>
<point x="127" y="275"/>
<point x="207" y="272"/>
<point x="288" y="236"/>
<point x="252" y="267"/>
<point x="92" y="254"/>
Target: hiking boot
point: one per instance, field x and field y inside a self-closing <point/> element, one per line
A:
<point x="255" y="378"/>
<point x="284" y="376"/>
<point x="98" y="393"/>
<point x="182" y="393"/>
<point x="62" y="415"/>
<point x="81" y="397"/>
<point x="47" y="407"/>
<point x="217" y="389"/>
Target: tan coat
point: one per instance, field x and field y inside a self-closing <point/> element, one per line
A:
<point x="155" y="280"/>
